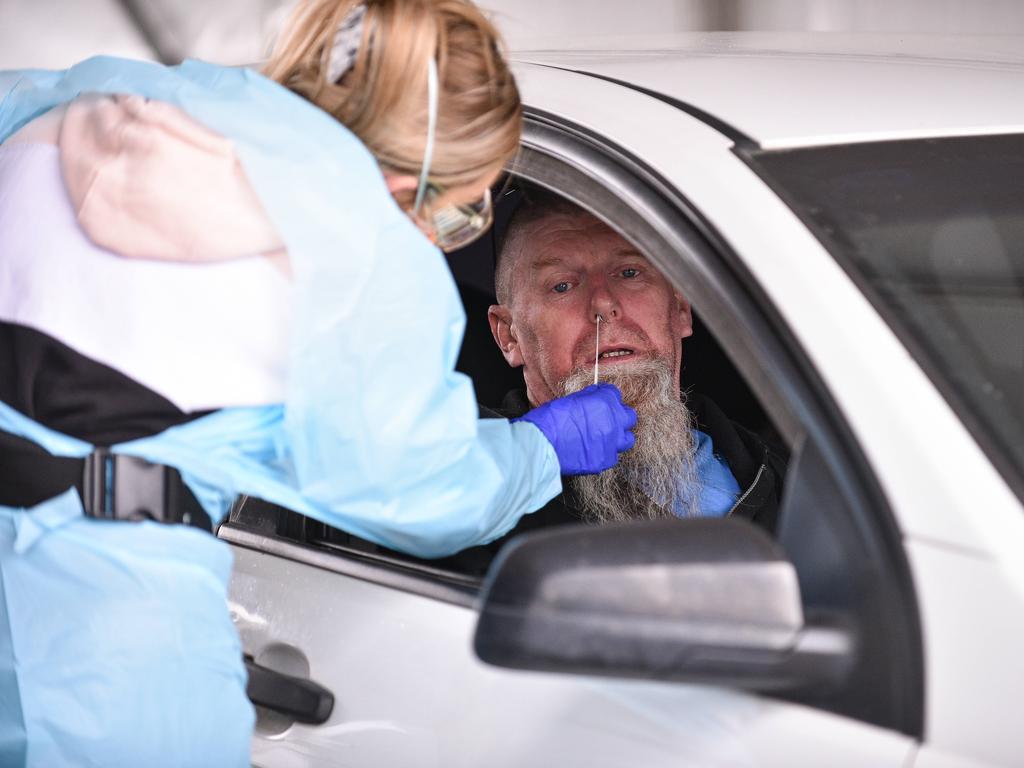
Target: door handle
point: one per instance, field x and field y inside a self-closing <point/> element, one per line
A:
<point x="299" y="698"/>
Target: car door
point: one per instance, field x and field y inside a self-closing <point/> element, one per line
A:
<point x="409" y="692"/>
<point x="391" y="637"/>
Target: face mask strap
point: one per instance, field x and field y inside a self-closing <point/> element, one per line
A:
<point x="428" y="150"/>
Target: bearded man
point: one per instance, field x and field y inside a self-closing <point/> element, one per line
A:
<point x="562" y="278"/>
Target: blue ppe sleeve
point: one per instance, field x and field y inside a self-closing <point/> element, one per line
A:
<point x="588" y="429"/>
<point x="378" y="434"/>
<point x="51" y="441"/>
<point x="115" y="645"/>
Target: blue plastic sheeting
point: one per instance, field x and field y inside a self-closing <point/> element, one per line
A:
<point x="115" y="645"/>
<point x="377" y="435"/>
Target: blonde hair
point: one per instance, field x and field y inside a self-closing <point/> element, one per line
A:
<point x="383" y="97"/>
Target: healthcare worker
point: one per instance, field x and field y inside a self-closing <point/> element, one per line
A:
<point x="211" y="284"/>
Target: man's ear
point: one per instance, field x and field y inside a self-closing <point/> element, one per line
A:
<point x="682" y="317"/>
<point x="504" y="334"/>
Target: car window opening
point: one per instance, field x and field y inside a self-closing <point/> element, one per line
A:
<point x="705" y="371"/>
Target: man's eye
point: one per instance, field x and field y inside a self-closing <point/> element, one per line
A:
<point x="561" y="287"/>
<point x="630" y="272"/>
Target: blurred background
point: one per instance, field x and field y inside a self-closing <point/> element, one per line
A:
<point x="56" y="33"/>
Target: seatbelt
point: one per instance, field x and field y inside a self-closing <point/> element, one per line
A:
<point x="112" y="486"/>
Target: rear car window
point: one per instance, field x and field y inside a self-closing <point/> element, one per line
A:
<point x="933" y="233"/>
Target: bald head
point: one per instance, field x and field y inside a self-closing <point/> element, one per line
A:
<point x="537" y="205"/>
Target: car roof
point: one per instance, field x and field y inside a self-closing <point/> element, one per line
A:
<point x="799" y="89"/>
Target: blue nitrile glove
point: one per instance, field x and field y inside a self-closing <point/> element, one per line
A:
<point x="588" y="428"/>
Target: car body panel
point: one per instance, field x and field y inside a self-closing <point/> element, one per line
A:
<point x="787" y="90"/>
<point x="972" y="612"/>
<point x="409" y="692"/>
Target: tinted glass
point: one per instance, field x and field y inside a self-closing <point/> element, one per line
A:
<point x="933" y="232"/>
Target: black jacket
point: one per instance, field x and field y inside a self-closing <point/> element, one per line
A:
<point x="758" y="469"/>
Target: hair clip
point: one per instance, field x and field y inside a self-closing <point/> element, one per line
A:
<point x="346" y="44"/>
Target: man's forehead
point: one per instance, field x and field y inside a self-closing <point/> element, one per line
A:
<point x="559" y="238"/>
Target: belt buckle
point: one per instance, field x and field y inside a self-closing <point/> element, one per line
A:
<point x="119" y="487"/>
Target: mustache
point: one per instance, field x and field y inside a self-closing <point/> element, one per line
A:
<point x="619" y="334"/>
<point x="641" y="381"/>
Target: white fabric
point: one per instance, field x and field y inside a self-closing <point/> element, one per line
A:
<point x="202" y="343"/>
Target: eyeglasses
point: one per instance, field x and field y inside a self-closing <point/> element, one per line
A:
<point x="456" y="226"/>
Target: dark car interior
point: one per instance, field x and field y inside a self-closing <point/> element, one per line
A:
<point x="706" y="369"/>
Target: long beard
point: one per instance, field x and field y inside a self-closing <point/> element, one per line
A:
<point x="658" y="474"/>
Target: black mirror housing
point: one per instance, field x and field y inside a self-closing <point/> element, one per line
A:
<point x="698" y="600"/>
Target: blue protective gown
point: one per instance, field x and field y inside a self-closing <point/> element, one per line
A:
<point x="115" y="645"/>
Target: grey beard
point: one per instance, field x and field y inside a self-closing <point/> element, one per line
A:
<point x="659" y="472"/>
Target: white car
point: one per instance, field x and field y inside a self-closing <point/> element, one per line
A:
<point x="849" y="226"/>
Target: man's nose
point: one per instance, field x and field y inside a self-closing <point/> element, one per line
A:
<point x="604" y="303"/>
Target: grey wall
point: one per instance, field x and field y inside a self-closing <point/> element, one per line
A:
<point x="532" y="23"/>
<point x="925" y="16"/>
<point x="56" y="33"/>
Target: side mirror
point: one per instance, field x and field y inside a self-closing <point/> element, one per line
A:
<point x="702" y="600"/>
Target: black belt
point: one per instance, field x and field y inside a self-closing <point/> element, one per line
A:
<point x="112" y="486"/>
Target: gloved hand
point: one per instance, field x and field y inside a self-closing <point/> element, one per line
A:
<point x="587" y="428"/>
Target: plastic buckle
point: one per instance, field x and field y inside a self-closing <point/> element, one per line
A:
<point x="118" y="487"/>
